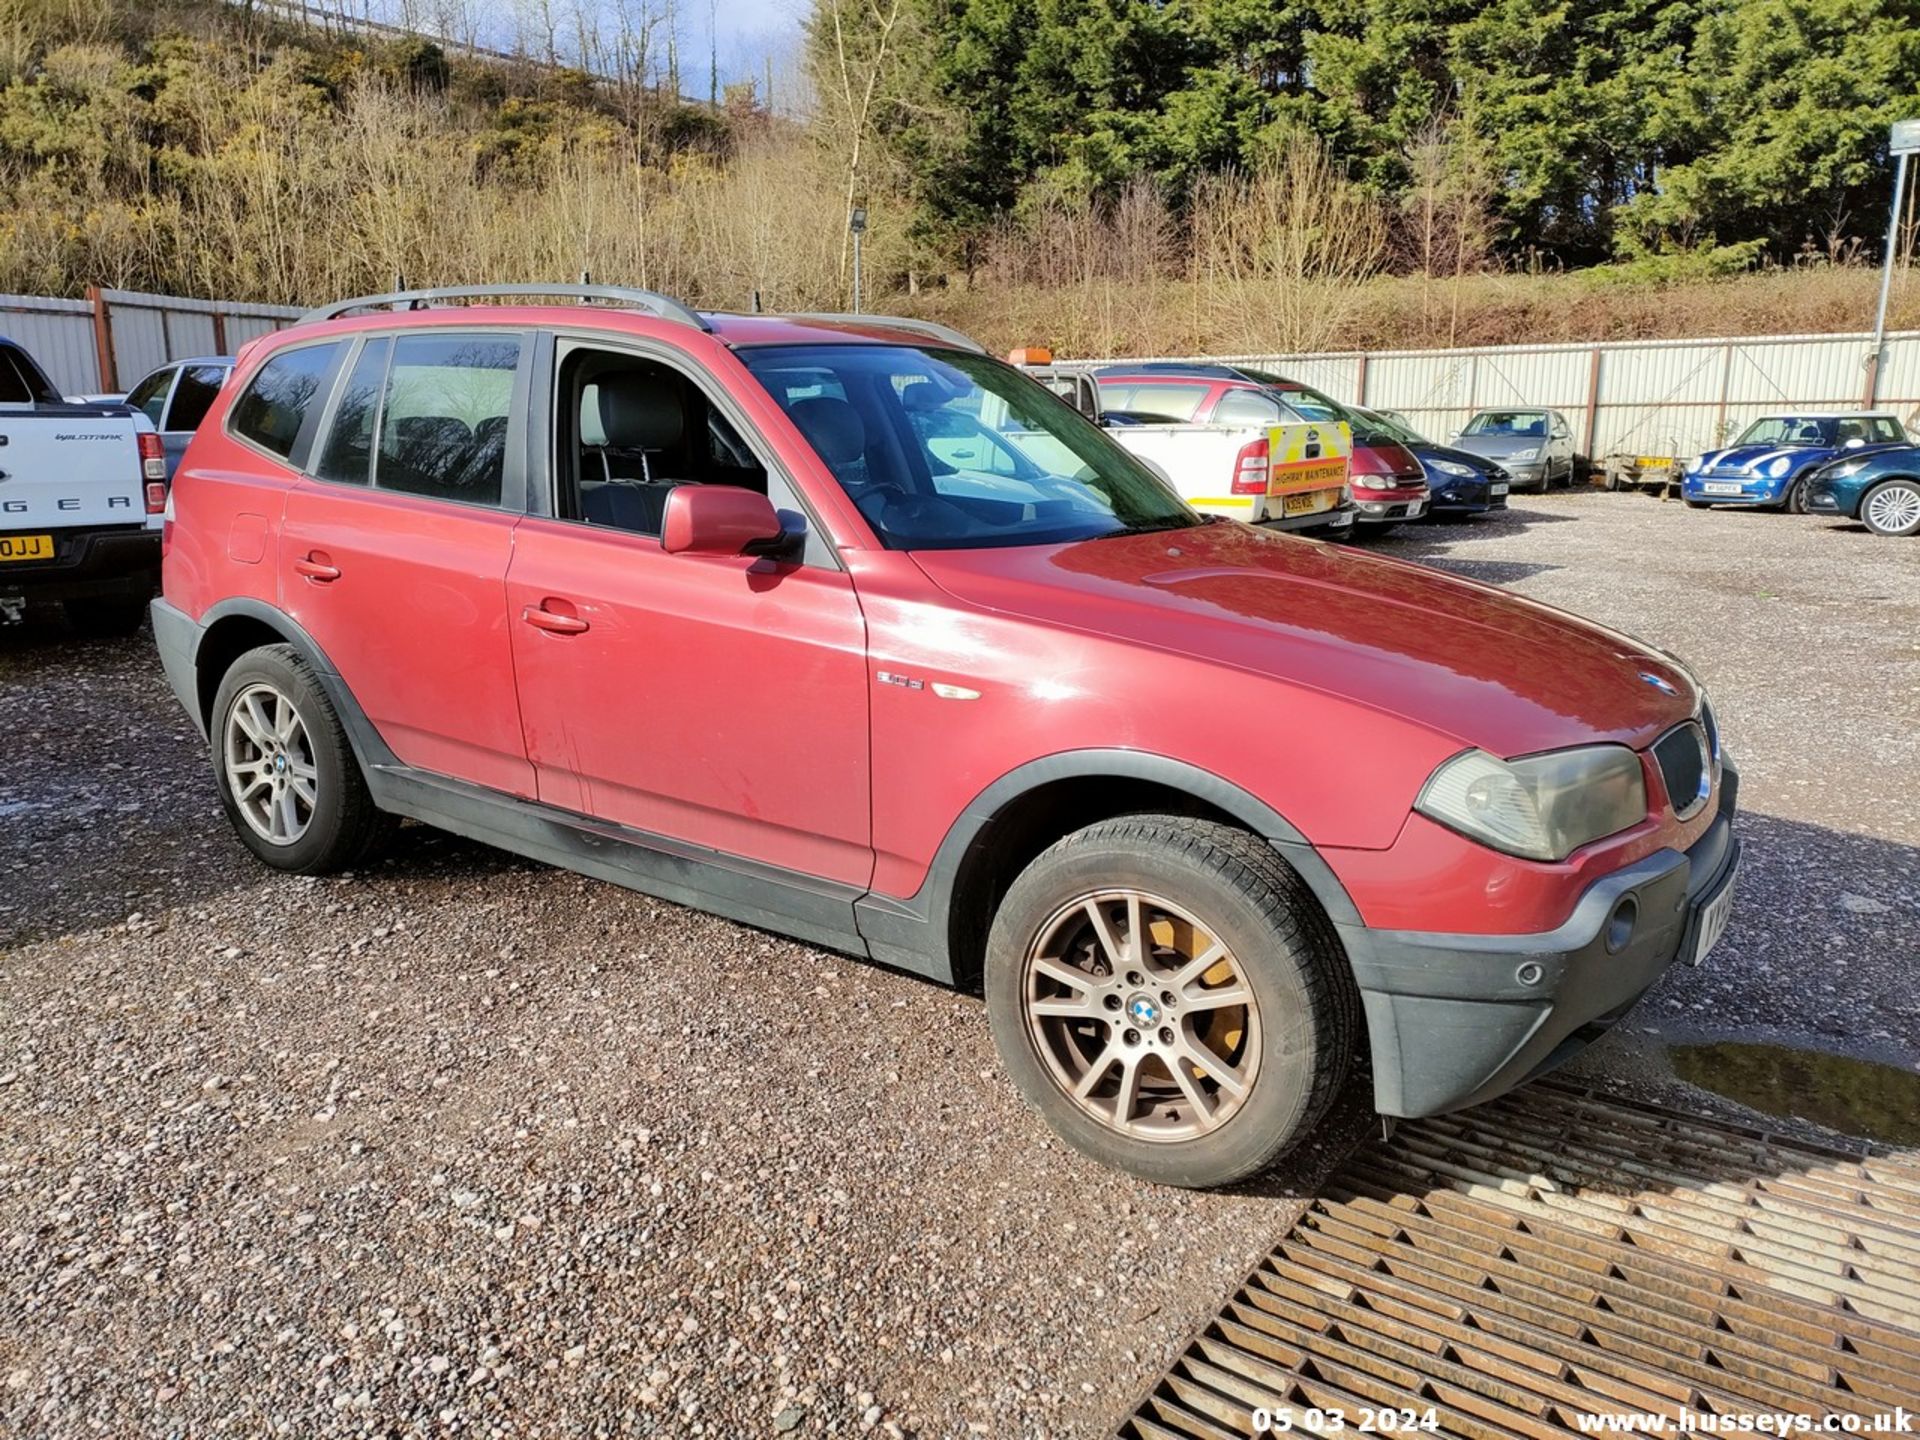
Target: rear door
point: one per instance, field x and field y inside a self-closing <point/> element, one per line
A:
<point x="393" y="550"/>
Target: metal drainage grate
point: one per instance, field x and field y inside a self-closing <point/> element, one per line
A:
<point x="1560" y="1254"/>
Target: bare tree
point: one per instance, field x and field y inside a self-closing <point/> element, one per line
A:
<point x="858" y="57"/>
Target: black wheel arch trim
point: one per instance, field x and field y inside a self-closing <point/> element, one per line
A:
<point x="912" y="933"/>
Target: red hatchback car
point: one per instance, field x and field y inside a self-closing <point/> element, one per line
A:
<point x="717" y="607"/>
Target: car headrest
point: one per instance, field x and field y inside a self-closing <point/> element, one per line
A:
<point x="639" y="411"/>
<point x="833" y="427"/>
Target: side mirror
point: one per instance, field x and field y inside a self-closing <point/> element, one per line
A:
<point x="719" y="520"/>
<point x="1854" y="444"/>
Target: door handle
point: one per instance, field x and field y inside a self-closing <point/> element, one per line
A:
<point x="317" y="568"/>
<point x="552" y="622"/>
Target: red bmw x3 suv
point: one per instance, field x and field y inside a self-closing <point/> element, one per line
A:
<point x="740" y="612"/>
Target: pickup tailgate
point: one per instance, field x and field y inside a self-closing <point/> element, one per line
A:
<point x="68" y="468"/>
<point x="1248" y="473"/>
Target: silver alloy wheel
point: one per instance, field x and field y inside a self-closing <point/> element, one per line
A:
<point x="1141" y="1015"/>
<point x="1893" y="509"/>
<point x="269" y="764"/>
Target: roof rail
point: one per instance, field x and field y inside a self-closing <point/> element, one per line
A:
<point x="651" y="301"/>
<point x="901" y="322"/>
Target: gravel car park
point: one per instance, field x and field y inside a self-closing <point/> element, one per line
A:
<point x="464" y="1144"/>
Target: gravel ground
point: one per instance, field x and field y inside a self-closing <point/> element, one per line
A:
<point x="464" y="1145"/>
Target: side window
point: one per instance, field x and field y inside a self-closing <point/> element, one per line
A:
<point x="193" y="396"/>
<point x="347" y="456"/>
<point x="150" y="395"/>
<point x="443" y="420"/>
<point x="280" y="396"/>
<point x="1166" y="402"/>
<point x="1887" y="431"/>
<point x="1246" y="407"/>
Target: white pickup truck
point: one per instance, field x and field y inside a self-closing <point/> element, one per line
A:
<point x="82" y="491"/>
<point x="1291" y="476"/>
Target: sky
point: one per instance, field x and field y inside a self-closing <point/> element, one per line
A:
<point x="748" y="32"/>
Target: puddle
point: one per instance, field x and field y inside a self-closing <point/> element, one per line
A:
<point x="1855" y="1097"/>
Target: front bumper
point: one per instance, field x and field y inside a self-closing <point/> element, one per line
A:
<point x="1456" y="1020"/>
<point x="1752" y="491"/>
<point x="1378" y="507"/>
<point x="90" y="564"/>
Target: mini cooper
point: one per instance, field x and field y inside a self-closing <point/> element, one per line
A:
<point x="693" y="603"/>
<point x="1769" y="465"/>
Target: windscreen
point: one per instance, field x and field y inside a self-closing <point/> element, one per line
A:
<point x="1787" y="430"/>
<point x="948" y="450"/>
<point x="1527" y="424"/>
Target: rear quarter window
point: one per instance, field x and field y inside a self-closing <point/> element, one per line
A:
<point x="283" y="393"/>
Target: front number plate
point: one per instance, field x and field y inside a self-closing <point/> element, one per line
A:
<point x="1499" y="487"/>
<point x="1721" y="487"/>
<point x="1713" y="922"/>
<point x="26" y="547"/>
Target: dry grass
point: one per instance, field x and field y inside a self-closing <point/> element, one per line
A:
<point x="1178" y="317"/>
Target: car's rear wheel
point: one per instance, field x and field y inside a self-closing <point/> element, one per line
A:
<point x="285" y="769"/>
<point x="1166" y="992"/>
<point x="1893" y="508"/>
<point x="101" y="617"/>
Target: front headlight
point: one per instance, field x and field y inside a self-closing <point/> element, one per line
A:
<point x="1540" y="807"/>
<point x="1779" y="467"/>
<point x="1452" y="467"/>
<point x="1371" y="482"/>
<point x="1526" y="454"/>
<point x="1692" y="463"/>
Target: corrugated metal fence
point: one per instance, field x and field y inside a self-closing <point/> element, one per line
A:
<point x="1657" y="397"/>
<point x="107" y="341"/>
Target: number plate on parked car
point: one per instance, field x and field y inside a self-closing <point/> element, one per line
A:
<point x="1499" y="487"/>
<point x="1310" y="503"/>
<point x="1721" y="487"/>
<point x="1712" y="923"/>
<point x="26" y="547"/>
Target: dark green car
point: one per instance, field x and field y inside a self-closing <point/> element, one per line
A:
<point x="1879" y="488"/>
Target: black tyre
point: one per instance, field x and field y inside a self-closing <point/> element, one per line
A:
<point x="1794" y="502"/>
<point x="285" y="770"/>
<point x="1892" y="508"/>
<point x="1200" y="1056"/>
<point x="101" y="617"/>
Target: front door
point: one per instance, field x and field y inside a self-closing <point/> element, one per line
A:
<point x="717" y="701"/>
<point x="393" y="550"/>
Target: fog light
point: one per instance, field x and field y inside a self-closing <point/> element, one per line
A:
<point x="1620" y="924"/>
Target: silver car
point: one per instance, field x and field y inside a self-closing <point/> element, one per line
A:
<point x="1535" y="446"/>
<point x="176" y="398"/>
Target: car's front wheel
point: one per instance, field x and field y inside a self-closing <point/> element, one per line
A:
<point x="285" y="769"/>
<point x="1893" y="508"/>
<point x="1166" y="992"/>
<point x="1794" y="502"/>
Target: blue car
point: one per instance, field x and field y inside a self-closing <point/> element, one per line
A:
<point x="1461" y="482"/>
<point x="1768" y="466"/>
<point x="1880" y="489"/>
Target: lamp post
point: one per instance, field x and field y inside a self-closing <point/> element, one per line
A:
<point x="1903" y="142"/>
<point x="857" y="223"/>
